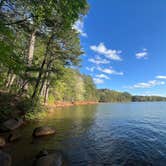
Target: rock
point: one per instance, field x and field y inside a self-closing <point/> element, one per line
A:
<point x="5" y="159"/>
<point x="42" y="153"/>
<point x="55" y="158"/>
<point x="43" y="131"/>
<point x="13" y="124"/>
<point x="14" y="137"/>
<point x="2" y="142"/>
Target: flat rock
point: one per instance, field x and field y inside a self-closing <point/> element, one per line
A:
<point x="43" y="131"/>
<point x="2" y="142"/>
<point x="5" y="159"/>
<point x="13" y="124"/>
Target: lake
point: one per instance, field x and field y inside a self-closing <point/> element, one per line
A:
<point x="117" y="134"/>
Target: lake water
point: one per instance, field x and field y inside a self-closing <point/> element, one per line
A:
<point x="118" y="134"/>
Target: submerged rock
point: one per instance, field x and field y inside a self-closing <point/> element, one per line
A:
<point x="54" y="158"/>
<point x="14" y="137"/>
<point x="2" y="142"/>
<point x="5" y="159"/>
<point x="12" y="124"/>
<point x="43" y="131"/>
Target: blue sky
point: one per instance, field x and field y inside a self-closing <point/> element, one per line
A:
<point x="125" y="45"/>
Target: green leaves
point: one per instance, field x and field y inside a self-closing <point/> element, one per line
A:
<point x="9" y="59"/>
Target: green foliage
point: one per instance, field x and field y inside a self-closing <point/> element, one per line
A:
<point x="73" y="86"/>
<point x="106" y="95"/>
<point x="90" y="89"/>
<point x="12" y="105"/>
<point x="38" y="113"/>
<point x="10" y="54"/>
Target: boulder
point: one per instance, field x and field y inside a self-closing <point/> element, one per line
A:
<point x="55" y="158"/>
<point x="5" y="159"/>
<point x="43" y="131"/>
<point x="13" y="137"/>
<point x="13" y="124"/>
<point x="2" y="142"/>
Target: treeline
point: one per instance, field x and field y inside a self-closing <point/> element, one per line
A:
<point x="73" y="86"/>
<point x="106" y="95"/>
<point x="148" y="98"/>
<point x="38" y="45"/>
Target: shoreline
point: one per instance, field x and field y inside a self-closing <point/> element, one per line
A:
<point x="60" y="104"/>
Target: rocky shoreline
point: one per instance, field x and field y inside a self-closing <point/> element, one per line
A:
<point x="9" y="134"/>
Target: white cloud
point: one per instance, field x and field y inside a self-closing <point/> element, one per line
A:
<point x="148" y="84"/>
<point x="91" y="69"/>
<point x="79" y="26"/>
<point x="111" y="54"/>
<point x="110" y="71"/>
<point x="102" y="76"/>
<point x="161" y="77"/>
<point x="98" y="60"/>
<point x="98" y="80"/>
<point x="143" y="54"/>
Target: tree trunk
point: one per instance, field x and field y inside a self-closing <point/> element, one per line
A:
<point x="46" y="92"/>
<point x="13" y="76"/>
<point x="45" y="78"/>
<point x="30" y="54"/>
<point x="43" y="85"/>
<point x="43" y="88"/>
<point x="31" y="47"/>
<point x="22" y="87"/>
<point x="46" y="84"/>
<point x="7" y="78"/>
<point x="38" y="79"/>
<point x="10" y="80"/>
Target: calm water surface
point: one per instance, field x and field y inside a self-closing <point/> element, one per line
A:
<point x="119" y="134"/>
